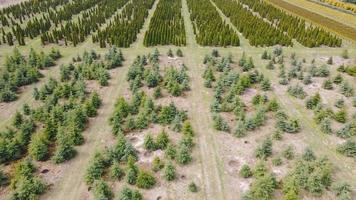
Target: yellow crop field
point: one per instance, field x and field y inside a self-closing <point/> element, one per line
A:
<point x="340" y="4"/>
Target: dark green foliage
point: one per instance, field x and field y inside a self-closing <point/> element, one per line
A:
<point x="187" y="129"/>
<point x="179" y="53"/>
<point x="39" y="147"/>
<point x="325" y="126"/>
<point x="330" y="60"/>
<point x="132" y="172"/>
<point x="220" y="124"/>
<point x="129" y="194"/>
<point x="96" y="168"/>
<point x="288" y="153"/>
<point x="114" y="58"/>
<point x="157" y="92"/>
<point x="214" y="33"/>
<point x="157" y="164"/>
<point x="3" y="178"/>
<point x="277" y="135"/>
<point x="116" y="172"/>
<point x="341" y="116"/>
<point x="149" y="143"/>
<point x="285" y="124"/>
<point x="26" y="109"/>
<point x="263" y="33"/>
<point x="265" y="55"/>
<point x="215" y="53"/>
<point x="340" y="103"/>
<point x="264" y="150"/>
<point x="170" y="172"/>
<point x="312" y="175"/>
<point x="270" y="65"/>
<point x="76" y="31"/>
<point x="296" y="91"/>
<point x="277" y="161"/>
<point x="322" y="71"/>
<point x="313" y="101"/>
<point x="193" y="187"/>
<point x="166" y="26"/>
<point x="14" y="141"/>
<point x="346" y="89"/>
<point x="343" y="190"/>
<point x="327" y="84"/>
<point x="170" y="151"/>
<point x="183" y="155"/>
<point x="345" y="54"/>
<point x="101" y="190"/>
<point x="245" y="171"/>
<point x="25" y="184"/>
<point x="266" y="85"/>
<point x="273" y="105"/>
<point x="65" y="148"/>
<point x="240" y="130"/>
<point x="307" y="80"/>
<point x="308" y="155"/>
<point x="20" y="71"/>
<point x="338" y="79"/>
<point x="176" y="81"/>
<point x="145" y="180"/>
<point x="263" y="187"/>
<point x="348" y="148"/>
<point x="162" y="140"/>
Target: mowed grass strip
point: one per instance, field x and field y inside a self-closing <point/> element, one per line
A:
<point x="328" y="23"/>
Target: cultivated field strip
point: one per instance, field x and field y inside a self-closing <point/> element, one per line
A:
<point x="309" y="36"/>
<point x="330" y="24"/>
<point x="43" y="22"/>
<point x="253" y="28"/>
<point x="214" y="33"/>
<point x="123" y="30"/>
<point x="167" y="25"/>
<point x="27" y="9"/>
<point x="89" y="22"/>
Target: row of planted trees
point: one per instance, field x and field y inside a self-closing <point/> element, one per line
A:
<point x="167" y="25"/>
<point x="209" y="28"/>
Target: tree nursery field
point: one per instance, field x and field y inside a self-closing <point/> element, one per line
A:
<point x="176" y="99"/>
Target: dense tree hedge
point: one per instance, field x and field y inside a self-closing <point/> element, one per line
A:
<point x="295" y="27"/>
<point x="123" y="29"/>
<point x="89" y="22"/>
<point x="42" y="22"/>
<point x="255" y="29"/>
<point x="209" y="28"/>
<point x="167" y="25"/>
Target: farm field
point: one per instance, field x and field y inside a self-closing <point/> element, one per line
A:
<point x="150" y="100"/>
<point x="315" y="17"/>
<point x="345" y="18"/>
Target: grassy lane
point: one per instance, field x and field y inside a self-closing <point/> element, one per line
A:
<point x="191" y="42"/>
<point x="330" y="24"/>
<point x="200" y="100"/>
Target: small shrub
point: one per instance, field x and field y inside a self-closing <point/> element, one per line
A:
<point x="245" y="171"/>
<point x="288" y="153"/>
<point x="129" y="194"/>
<point x="145" y="180"/>
<point x="193" y="187"/>
<point x="157" y="164"/>
<point x="170" y="172"/>
<point x="277" y="161"/>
